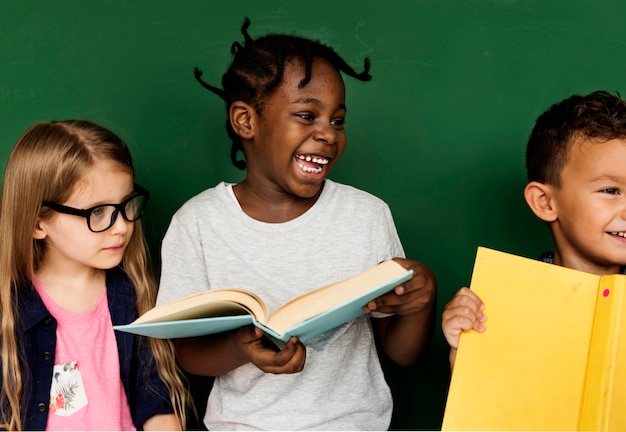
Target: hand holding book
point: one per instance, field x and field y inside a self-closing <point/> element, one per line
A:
<point x="409" y="297"/>
<point x="463" y="313"/>
<point x="259" y="350"/>
<point x="407" y="331"/>
<point x="553" y="356"/>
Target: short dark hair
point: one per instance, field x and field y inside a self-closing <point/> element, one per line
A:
<point x="599" y="115"/>
<point x="257" y="70"/>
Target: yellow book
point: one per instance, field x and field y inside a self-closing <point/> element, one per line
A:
<point x="553" y="355"/>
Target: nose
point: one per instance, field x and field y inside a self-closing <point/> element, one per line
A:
<point x="326" y="134"/>
<point x="120" y="226"/>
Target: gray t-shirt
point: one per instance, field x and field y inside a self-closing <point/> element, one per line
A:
<point x="212" y="243"/>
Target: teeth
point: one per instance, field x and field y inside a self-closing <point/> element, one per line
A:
<point x="620" y="233"/>
<point x="320" y="160"/>
<point x="310" y="169"/>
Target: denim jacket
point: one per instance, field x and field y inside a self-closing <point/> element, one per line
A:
<point x="36" y="329"/>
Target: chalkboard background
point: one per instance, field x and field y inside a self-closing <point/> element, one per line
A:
<point x="439" y="133"/>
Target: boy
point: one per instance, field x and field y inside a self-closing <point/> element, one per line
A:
<point x="575" y="161"/>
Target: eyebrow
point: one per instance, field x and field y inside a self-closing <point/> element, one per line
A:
<point x="612" y="178"/>
<point x="317" y="102"/>
<point x="136" y="190"/>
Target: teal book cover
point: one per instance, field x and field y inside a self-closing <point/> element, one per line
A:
<point x="307" y="316"/>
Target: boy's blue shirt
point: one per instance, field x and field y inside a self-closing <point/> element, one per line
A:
<point x="147" y="395"/>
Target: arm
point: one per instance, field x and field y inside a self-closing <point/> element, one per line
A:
<point x="217" y="354"/>
<point x="162" y="422"/>
<point x="463" y="313"/>
<point x="405" y="335"/>
<point x="185" y="249"/>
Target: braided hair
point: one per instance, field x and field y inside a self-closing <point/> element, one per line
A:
<point x="257" y="70"/>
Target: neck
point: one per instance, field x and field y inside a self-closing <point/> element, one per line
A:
<point x="272" y="206"/>
<point x="75" y="290"/>
<point x="577" y="263"/>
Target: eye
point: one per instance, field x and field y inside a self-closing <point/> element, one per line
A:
<point x="339" y="121"/>
<point x="98" y="211"/>
<point x="306" y="116"/>
<point x="611" y="190"/>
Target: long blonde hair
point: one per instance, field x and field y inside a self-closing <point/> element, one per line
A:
<point x="44" y="165"/>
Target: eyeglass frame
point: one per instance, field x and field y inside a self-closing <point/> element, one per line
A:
<point x="119" y="208"/>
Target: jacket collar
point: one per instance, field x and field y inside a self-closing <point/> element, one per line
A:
<point x="31" y="310"/>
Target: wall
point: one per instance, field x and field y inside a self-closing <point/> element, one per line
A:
<point x="439" y="133"/>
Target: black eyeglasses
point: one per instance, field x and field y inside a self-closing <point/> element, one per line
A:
<point x="102" y="217"/>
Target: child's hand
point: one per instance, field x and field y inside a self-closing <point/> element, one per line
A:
<point x="463" y="313"/>
<point x="267" y="357"/>
<point x="410" y="297"/>
<point x="405" y="334"/>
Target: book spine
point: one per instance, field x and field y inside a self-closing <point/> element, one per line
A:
<point x="603" y="390"/>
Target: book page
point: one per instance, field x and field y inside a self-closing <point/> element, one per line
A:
<point x="323" y="299"/>
<point x="212" y="303"/>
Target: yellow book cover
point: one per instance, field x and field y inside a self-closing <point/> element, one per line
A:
<point x="550" y="357"/>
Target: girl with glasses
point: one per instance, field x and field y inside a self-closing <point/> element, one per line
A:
<point x="73" y="263"/>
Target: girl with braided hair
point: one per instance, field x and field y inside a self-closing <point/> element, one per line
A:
<point x="284" y="230"/>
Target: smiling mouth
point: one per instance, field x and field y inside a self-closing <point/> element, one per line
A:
<point x="313" y="164"/>
<point x="618" y="233"/>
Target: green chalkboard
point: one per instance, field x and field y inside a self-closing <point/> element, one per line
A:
<point x="439" y="133"/>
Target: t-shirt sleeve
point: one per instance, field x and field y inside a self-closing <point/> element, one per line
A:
<point x="390" y="244"/>
<point x="183" y="269"/>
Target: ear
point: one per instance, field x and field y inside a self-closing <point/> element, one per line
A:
<point x="39" y="233"/>
<point x="540" y="199"/>
<point x="241" y="117"/>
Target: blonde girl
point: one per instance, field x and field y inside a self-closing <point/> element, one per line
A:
<point x="73" y="263"/>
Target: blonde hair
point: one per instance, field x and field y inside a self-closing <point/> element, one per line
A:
<point x="44" y="165"/>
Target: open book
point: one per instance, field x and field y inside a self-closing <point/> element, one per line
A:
<point x="553" y="355"/>
<point x="307" y="316"/>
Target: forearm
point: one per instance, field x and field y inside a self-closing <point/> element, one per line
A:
<point x="162" y="422"/>
<point x="209" y="355"/>
<point x="404" y="338"/>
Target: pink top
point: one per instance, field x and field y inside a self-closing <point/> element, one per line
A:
<point x="86" y="391"/>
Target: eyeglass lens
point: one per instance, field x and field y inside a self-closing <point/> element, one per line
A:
<point x="103" y="217"/>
